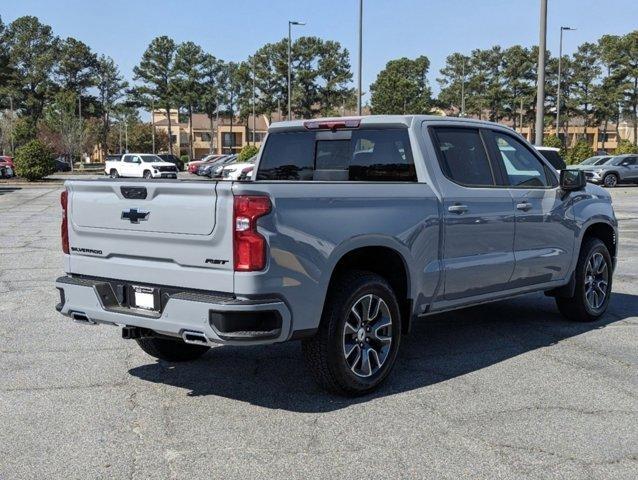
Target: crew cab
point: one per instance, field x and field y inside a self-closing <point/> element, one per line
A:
<point x="348" y="231"/>
<point x="141" y="165"/>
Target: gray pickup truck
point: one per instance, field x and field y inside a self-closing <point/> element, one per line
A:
<point x="348" y="231"/>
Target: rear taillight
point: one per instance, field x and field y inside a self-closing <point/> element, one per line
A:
<point x="249" y="245"/>
<point x="64" y="228"/>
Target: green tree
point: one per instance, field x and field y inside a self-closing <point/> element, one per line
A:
<point x="247" y="152"/>
<point x="585" y="72"/>
<point x="579" y="152"/>
<point x="34" y="161"/>
<point x="402" y="87"/>
<point x="77" y="66"/>
<point x="517" y="79"/>
<point x="188" y="68"/>
<point x="157" y="73"/>
<point x="33" y="53"/>
<point x="625" y="146"/>
<point x="620" y="54"/>
<point x="140" y="138"/>
<point x="209" y="99"/>
<point x="61" y="119"/>
<point x="111" y="88"/>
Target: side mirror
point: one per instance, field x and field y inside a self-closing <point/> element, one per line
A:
<point x="572" y="180"/>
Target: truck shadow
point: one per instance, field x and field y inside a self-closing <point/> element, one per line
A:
<point x="440" y="348"/>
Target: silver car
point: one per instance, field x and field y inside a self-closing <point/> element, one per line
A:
<point x="621" y="168"/>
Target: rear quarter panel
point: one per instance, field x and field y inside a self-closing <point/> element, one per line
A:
<point x="313" y="224"/>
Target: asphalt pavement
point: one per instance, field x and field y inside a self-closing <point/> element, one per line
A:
<point x="509" y="390"/>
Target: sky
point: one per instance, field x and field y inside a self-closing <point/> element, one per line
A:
<point x="233" y="30"/>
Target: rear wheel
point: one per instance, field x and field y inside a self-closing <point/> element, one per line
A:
<point x="593" y="284"/>
<point x="113" y="173"/>
<point x="358" y="339"/>
<point x="610" y="180"/>
<point x="171" y="350"/>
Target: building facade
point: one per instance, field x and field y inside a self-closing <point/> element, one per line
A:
<point x="216" y="136"/>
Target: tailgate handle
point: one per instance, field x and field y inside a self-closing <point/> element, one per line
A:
<point x="134" y="193"/>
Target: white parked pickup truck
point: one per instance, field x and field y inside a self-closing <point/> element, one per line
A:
<point x="142" y="165"/>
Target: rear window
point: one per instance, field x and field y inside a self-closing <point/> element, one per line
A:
<point x="352" y="155"/>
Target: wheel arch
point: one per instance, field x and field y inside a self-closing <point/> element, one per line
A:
<point x="384" y="259"/>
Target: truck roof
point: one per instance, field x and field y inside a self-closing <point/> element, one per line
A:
<point x="379" y="121"/>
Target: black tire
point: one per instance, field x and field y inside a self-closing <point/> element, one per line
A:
<point x="171" y="350"/>
<point x="324" y="353"/>
<point x="578" y="308"/>
<point x="147" y="175"/>
<point x="113" y="173"/>
<point x="610" y="180"/>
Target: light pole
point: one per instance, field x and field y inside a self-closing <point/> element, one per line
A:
<point x="290" y="24"/>
<point x="560" y="65"/>
<point x="360" y="68"/>
<point x="463" y="89"/>
<point x="540" y="87"/>
<point x="253" y="65"/>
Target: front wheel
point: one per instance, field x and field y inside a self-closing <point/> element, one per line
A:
<point x="593" y="284"/>
<point x="610" y="180"/>
<point x="358" y="339"/>
<point x="171" y="350"/>
<point x="147" y="175"/>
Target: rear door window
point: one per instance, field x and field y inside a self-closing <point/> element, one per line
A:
<point x="463" y="157"/>
<point x="367" y="155"/>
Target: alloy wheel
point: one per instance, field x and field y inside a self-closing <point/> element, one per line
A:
<point x="611" y="180"/>
<point x="596" y="281"/>
<point x="367" y="335"/>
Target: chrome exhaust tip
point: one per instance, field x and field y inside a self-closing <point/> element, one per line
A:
<point x="193" y="337"/>
<point x="82" y="317"/>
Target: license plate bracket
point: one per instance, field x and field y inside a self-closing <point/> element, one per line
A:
<point x="145" y="298"/>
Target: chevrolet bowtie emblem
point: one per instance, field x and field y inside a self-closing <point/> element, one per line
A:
<point x="134" y="215"/>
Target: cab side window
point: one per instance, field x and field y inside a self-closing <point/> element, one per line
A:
<point x="522" y="168"/>
<point x="463" y="157"/>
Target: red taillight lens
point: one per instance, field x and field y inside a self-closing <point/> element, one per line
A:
<point x="250" y="246"/>
<point x="64" y="228"/>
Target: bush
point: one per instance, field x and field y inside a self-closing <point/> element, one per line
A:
<point x="625" y="146"/>
<point x="34" y="161"/>
<point x="247" y="152"/>
<point x="185" y="158"/>
<point x="579" y="152"/>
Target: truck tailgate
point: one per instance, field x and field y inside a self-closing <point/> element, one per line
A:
<point x="163" y="233"/>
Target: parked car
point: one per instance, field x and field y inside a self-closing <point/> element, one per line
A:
<point x="7" y="169"/>
<point x="552" y="155"/>
<point x="350" y="231"/>
<point x="140" y="165"/>
<point x="620" y="168"/>
<point x="62" y="164"/>
<point x="235" y="169"/>
<point x="172" y="159"/>
<point x="590" y="162"/>
<point x="193" y="166"/>
<point x="215" y="169"/>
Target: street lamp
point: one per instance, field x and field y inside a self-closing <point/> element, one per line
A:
<point x="540" y="84"/>
<point x="560" y="62"/>
<point x="360" y="68"/>
<point x="290" y="24"/>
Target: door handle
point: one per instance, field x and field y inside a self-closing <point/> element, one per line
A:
<point x="457" y="208"/>
<point x="525" y="206"/>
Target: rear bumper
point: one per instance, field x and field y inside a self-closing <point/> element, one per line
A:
<point x="221" y="318"/>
